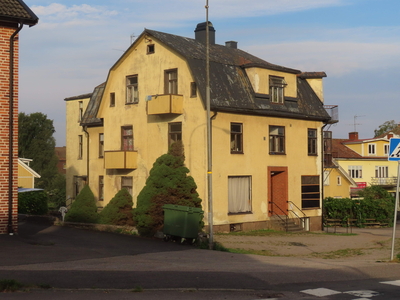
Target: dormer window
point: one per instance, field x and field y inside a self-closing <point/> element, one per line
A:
<point x="276" y="86"/>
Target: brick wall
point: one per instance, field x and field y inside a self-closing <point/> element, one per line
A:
<point x="5" y="34"/>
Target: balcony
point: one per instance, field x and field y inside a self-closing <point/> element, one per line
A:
<point x="165" y="104"/>
<point x="384" y="181"/>
<point x="333" y="111"/>
<point x="120" y="159"/>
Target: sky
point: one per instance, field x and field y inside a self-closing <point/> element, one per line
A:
<point x="356" y="42"/>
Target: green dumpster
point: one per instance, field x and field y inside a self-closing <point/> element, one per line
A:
<point x="181" y="221"/>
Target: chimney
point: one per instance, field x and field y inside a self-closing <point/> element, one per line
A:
<point x="231" y="44"/>
<point x="353" y="136"/>
<point x="200" y="33"/>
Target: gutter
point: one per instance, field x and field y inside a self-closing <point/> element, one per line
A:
<point x="11" y="133"/>
<point x="87" y="154"/>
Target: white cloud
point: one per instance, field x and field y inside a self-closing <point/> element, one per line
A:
<point x="336" y="58"/>
<point x="59" y="13"/>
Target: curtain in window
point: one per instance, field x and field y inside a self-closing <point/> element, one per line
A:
<point x="239" y="194"/>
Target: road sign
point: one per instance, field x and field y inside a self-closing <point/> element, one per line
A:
<point x="394" y="149"/>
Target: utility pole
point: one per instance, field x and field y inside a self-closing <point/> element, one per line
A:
<point x="209" y="152"/>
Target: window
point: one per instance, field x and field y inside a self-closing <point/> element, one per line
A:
<point x="80" y="111"/>
<point x="193" y="89"/>
<point x="276" y="140"/>
<point x="101" y="145"/>
<point x="127" y="138"/>
<point x="126" y="183"/>
<point x="310" y="192"/>
<point x="312" y="142"/>
<point x="276" y="86"/>
<point x="112" y="99"/>
<point x="174" y="132"/>
<point x="171" y="81"/>
<point x="326" y="177"/>
<point x="339" y="180"/>
<point x="80" y="146"/>
<point x="239" y="194"/>
<point x="79" y="183"/>
<point x="355" y="171"/>
<point x="381" y="171"/>
<point x="386" y="149"/>
<point x="132" y="92"/>
<point x="101" y="188"/>
<point x="371" y="149"/>
<point x="150" y="49"/>
<point x="236" y="138"/>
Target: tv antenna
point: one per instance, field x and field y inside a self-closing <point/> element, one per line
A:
<point x="355" y="122"/>
<point x="132" y="38"/>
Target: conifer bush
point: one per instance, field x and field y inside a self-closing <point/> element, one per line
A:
<point x="119" y="210"/>
<point x="83" y="209"/>
<point x="168" y="183"/>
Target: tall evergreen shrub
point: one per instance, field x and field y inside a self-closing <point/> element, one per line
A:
<point x="168" y="183"/>
<point x="119" y="210"/>
<point x="83" y="209"/>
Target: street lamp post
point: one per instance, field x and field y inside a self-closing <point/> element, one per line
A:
<point x="209" y="152"/>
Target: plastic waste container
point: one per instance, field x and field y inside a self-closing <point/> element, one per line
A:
<point x="181" y="221"/>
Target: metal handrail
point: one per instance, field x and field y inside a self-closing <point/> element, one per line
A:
<point x="301" y="219"/>
<point x="284" y="220"/>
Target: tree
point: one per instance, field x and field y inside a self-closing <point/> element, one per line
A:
<point x="83" y="209"/>
<point x="119" y="210"/>
<point x="36" y="141"/>
<point x="168" y="183"/>
<point x="385" y="127"/>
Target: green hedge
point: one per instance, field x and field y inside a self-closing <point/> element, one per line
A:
<point x="32" y="203"/>
<point x="376" y="204"/>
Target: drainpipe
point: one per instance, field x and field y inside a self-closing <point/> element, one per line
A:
<point x="87" y="154"/>
<point x="11" y="133"/>
<point x="322" y="175"/>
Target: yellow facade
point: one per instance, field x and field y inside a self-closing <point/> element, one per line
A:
<point x="371" y="166"/>
<point x="26" y="176"/>
<point x="150" y="117"/>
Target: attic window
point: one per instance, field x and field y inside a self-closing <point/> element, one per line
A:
<point x="150" y="49"/>
<point x="276" y="86"/>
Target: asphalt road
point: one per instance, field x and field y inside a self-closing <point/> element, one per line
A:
<point x="83" y="264"/>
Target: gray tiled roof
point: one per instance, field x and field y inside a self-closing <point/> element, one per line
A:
<point x="231" y="90"/>
<point x="16" y="11"/>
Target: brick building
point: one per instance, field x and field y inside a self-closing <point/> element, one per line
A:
<point x="14" y="14"/>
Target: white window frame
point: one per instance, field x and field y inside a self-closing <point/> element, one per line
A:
<point x="371" y="149"/>
<point x="326" y="177"/>
<point x="355" y="171"/>
<point x="381" y="171"/>
<point x="386" y="148"/>
<point x="132" y="89"/>
<point x="239" y="194"/>
<point x="276" y="89"/>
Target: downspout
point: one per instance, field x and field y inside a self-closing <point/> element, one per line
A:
<point x="11" y="133"/>
<point x="322" y="175"/>
<point x="87" y="154"/>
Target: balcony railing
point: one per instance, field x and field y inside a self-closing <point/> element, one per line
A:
<point x="387" y="181"/>
<point x="165" y="104"/>
<point x="333" y="111"/>
<point x="120" y="159"/>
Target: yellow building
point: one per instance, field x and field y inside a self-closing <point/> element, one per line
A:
<point x="26" y="175"/>
<point x="266" y="129"/>
<point x="366" y="163"/>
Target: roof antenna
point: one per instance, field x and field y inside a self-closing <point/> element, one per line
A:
<point x="132" y="38"/>
<point x="355" y="124"/>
